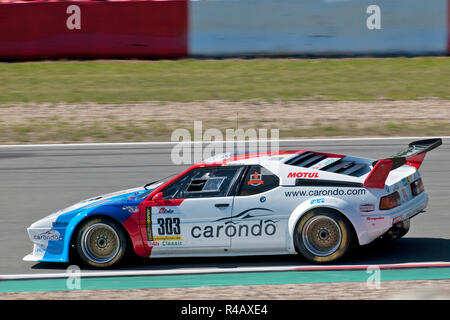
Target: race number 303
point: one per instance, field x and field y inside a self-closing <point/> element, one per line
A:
<point x="168" y="226"/>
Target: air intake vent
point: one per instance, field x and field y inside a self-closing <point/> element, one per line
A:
<point x="319" y="161"/>
<point x="311" y="161"/>
<point x="298" y="159"/>
<point x="342" y="165"/>
<point x="345" y="167"/>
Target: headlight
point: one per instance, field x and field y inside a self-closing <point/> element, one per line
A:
<point x="417" y="187"/>
<point x="390" y="201"/>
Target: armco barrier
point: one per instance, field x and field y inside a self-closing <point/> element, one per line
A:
<point x="292" y="27"/>
<point x="93" y="29"/>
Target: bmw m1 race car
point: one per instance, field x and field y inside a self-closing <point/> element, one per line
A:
<point x="287" y="202"/>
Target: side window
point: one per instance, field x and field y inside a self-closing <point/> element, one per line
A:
<point x="258" y="179"/>
<point x="203" y="183"/>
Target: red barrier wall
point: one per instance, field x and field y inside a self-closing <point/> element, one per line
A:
<point x="93" y="30"/>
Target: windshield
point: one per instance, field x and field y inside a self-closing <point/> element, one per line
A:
<point x="145" y="194"/>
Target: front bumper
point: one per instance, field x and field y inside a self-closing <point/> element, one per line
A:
<point x="48" y="245"/>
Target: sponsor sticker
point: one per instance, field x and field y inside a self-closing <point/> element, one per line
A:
<point x="130" y="209"/>
<point x="171" y="243"/>
<point x="164" y="210"/>
<point x="406" y="181"/>
<point x="167" y="238"/>
<point x="165" y="243"/>
<point x="367" y="207"/>
<point x="257" y="229"/>
<point x="315" y="201"/>
<point x="38" y="251"/>
<point x="404" y="194"/>
<point x="374" y="218"/>
<point x="255" y="180"/>
<point x="326" y="192"/>
<point x="310" y="175"/>
<point x="60" y="224"/>
<point x="397" y="219"/>
<point x="148" y="219"/>
<point x="50" y="235"/>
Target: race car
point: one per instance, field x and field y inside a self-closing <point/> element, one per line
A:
<point x="314" y="204"/>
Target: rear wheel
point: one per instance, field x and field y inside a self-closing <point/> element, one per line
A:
<point x="323" y="235"/>
<point x="101" y="243"/>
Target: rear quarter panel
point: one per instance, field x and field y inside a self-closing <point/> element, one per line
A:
<point x="348" y="205"/>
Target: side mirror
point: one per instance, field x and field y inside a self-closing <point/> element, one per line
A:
<point x="158" y="197"/>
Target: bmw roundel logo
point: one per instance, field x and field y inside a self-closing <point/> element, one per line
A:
<point x="262" y="199"/>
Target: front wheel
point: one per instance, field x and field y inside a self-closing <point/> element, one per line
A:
<point x="322" y="236"/>
<point x="100" y="243"/>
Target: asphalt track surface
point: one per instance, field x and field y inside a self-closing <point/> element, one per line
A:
<point x="38" y="180"/>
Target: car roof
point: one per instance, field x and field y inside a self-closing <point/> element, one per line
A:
<point x="249" y="158"/>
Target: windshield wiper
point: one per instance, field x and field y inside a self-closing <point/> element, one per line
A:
<point x="150" y="183"/>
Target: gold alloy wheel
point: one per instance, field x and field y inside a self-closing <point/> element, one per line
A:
<point x="100" y="243"/>
<point x="321" y="235"/>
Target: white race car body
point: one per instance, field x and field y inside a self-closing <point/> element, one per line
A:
<point x="251" y="204"/>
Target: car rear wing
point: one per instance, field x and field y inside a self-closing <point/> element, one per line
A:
<point x="413" y="155"/>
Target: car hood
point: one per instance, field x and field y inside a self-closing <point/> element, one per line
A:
<point x="116" y="198"/>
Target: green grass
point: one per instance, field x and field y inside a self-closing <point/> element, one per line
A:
<point x="231" y="80"/>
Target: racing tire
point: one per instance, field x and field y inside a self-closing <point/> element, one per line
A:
<point x="323" y="236"/>
<point x="101" y="243"/>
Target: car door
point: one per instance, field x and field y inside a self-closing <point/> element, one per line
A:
<point x="191" y="216"/>
<point x="258" y="216"/>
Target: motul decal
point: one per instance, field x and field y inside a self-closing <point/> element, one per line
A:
<point x="303" y="175"/>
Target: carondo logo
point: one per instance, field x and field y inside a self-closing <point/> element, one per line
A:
<point x="50" y="235"/>
<point x="232" y="229"/>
